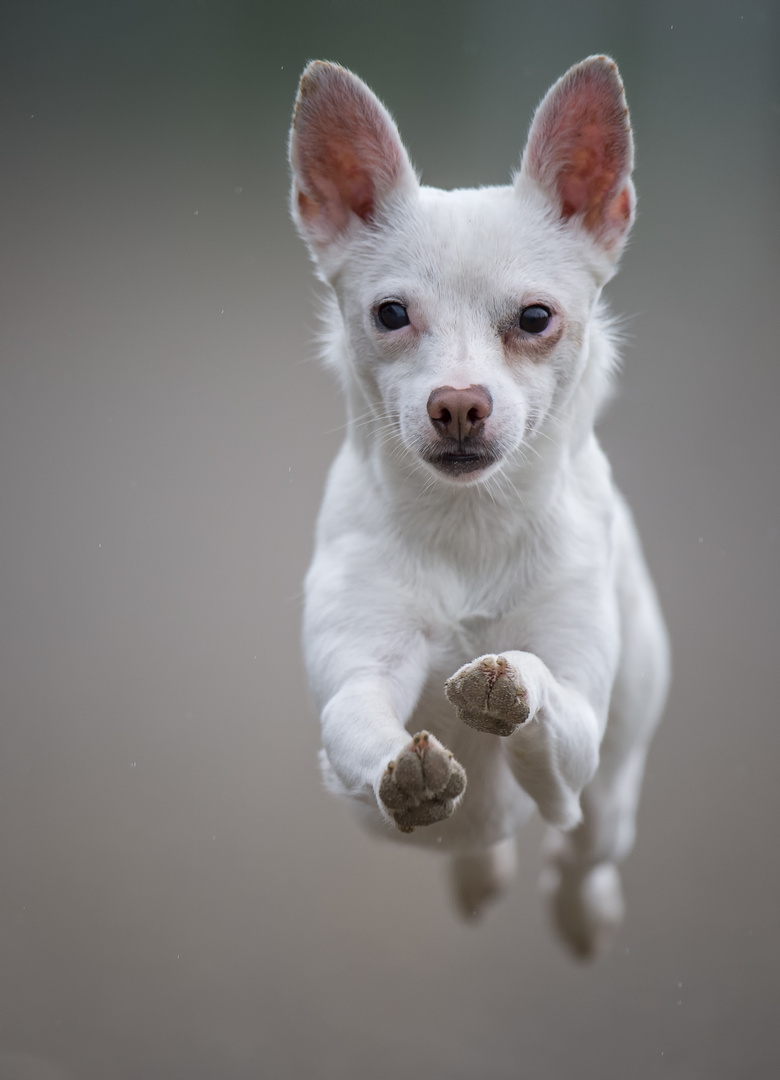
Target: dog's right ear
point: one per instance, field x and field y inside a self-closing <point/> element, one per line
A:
<point x="345" y="153"/>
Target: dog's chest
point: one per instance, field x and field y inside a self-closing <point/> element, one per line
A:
<point x="468" y="615"/>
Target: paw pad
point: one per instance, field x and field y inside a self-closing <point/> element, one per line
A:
<point x="421" y="786"/>
<point x="488" y="695"/>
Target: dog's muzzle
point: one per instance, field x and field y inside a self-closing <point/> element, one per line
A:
<point x="460" y="459"/>
<point x="458" y="417"/>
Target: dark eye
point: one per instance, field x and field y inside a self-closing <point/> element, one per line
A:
<point x="535" y="319"/>
<point x="392" y="315"/>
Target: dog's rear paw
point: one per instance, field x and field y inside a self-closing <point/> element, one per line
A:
<point x="480" y="877"/>
<point x="423" y="784"/>
<point x="489" y="696"/>
<point x="587" y="908"/>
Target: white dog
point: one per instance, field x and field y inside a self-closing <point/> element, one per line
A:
<point x="471" y="511"/>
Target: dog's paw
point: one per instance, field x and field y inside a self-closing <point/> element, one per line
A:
<point x="489" y="696"/>
<point x="423" y="784"/>
<point x="586" y="906"/>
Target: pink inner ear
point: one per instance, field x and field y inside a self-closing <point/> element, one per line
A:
<point x="346" y="151"/>
<point x="580" y="147"/>
<point x="338" y="186"/>
<point x="589" y="173"/>
<point x="621" y="209"/>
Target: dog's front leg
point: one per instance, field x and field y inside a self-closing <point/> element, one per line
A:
<point x="552" y="730"/>
<point x="370" y="693"/>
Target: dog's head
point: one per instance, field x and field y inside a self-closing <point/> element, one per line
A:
<point x="465" y="320"/>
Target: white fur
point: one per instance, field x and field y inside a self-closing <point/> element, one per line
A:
<point x="535" y="558"/>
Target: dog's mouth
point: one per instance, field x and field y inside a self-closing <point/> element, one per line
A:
<point x="456" y="461"/>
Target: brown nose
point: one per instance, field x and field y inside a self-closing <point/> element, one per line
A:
<point x="459" y="413"/>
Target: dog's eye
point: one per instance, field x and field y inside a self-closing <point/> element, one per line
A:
<point x="392" y="315"/>
<point x="535" y="319"/>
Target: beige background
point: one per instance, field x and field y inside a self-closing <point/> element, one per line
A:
<point x="178" y="897"/>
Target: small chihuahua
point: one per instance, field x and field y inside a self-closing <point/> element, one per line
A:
<point x="470" y="522"/>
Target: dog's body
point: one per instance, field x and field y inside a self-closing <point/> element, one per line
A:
<point x="471" y="512"/>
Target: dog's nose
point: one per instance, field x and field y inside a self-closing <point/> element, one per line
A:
<point x="459" y="413"/>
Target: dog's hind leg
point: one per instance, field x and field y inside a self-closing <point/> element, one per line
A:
<point x="582" y="880"/>
<point x="480" y="877"/>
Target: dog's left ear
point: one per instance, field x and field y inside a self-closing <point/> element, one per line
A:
<point x="580" y="152"/>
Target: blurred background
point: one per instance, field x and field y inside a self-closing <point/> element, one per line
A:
<point x="178" y="896"/>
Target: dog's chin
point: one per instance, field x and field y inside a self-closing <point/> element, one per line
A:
<point x="466" y="467"/>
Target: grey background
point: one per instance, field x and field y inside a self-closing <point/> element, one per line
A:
<point x="178" y="896"/>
